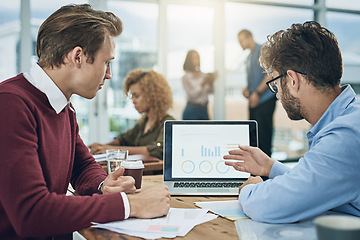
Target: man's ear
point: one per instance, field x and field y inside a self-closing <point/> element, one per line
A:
<point x="295" y="82"/>
<point x="76" y="57"/>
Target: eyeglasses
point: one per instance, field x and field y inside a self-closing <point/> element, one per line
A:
<point x="272" y="84"/>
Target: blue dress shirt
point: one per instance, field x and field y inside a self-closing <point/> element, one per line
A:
<point x="256" y="74"/>
<point x="327" y="177"/>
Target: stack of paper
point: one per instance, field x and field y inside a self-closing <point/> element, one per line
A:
<point x="178" y="222"/>
<point x="230" y="209"/>
<point x="100" y="157"/>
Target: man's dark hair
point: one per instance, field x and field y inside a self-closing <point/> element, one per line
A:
<point x="308" y="48"/>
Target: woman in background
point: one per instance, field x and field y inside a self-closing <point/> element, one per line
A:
<point x="198" y="86"/>
<point x="152" y="97"/>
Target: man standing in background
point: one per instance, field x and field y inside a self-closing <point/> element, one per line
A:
<point x="261" y="100"/>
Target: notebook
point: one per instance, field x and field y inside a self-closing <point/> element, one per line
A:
<point x="193" y="155"/>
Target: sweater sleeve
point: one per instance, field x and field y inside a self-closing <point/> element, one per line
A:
<point x="25" y="200"/>
<point x="87" y="174"/>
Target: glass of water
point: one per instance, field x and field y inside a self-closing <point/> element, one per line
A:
<point x="114" y="158"/>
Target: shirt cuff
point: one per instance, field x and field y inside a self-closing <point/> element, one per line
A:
<point x="278" y="169"/>
<point x="100" y="187"/>
<point x="126" y="205"/>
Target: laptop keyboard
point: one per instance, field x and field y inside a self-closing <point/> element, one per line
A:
<point x="207" y="184"/>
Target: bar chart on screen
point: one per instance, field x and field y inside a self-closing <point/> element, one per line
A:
<point x="213" y="151"/>
<point x="198" y="150"/>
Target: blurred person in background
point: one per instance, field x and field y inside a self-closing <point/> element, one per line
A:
<point x="152" y="97"/>
<point x="261" y="100"/>
<point x="198" y="86"/>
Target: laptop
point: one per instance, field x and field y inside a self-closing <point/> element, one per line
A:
<point x="193" y="155"/>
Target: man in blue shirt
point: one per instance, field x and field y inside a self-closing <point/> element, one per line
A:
<point x="261" y="99"/>
<point x="306" y="65"/>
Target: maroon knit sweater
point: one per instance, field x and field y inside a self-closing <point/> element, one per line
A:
<point x="40" y="153"/>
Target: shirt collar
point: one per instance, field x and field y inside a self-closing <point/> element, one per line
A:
<point x="38" y="77"/>
<point x="335" y="109"/>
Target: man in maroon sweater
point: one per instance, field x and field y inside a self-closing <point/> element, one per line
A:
<point x="41" y="150"/>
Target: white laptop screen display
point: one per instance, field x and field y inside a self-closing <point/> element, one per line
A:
<point x="198" y="150"/>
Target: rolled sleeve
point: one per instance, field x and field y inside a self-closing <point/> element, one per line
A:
<point x="278" y="169"/>
<point x="156" y="149"/>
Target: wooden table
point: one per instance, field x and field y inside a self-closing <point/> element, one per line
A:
<point x="219" y="228"/>
<point x="153" y="167"/>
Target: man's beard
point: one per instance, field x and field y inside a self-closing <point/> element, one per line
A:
<point x="291" y="104"/>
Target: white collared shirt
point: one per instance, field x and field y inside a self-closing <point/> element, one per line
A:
<point x="39" y="79"/>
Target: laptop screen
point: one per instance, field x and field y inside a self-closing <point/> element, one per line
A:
<point x="194" y="150"/>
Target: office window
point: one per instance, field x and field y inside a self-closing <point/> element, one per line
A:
<point x="295" y="2"/>
<point x="195" y="31"/>
<point x="289" y="139"/>
<point x="43" y="8"/>
<point x="344" y="4"/>
<point x="135" y="48"/>
<point x="189" y="26"/>
<point x="9" y="38"/>
<point x="346" y="29"/>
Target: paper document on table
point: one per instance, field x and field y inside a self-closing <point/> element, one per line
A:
<point x="100" y="157"/>
<point x="248" y="229"/>
<point x="178" y="222"/>
<point x="230" y="209"/>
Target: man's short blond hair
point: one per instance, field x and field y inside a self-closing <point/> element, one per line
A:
<point x="72" y="26"/>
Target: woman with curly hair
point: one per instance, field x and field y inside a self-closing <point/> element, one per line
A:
<point x="152" y="97"/>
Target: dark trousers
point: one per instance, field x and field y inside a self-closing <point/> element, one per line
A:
<point x="194" y="111"/>
<point x="263" y="114"/>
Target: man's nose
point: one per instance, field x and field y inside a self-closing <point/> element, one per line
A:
<point x="108" y="72"/>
